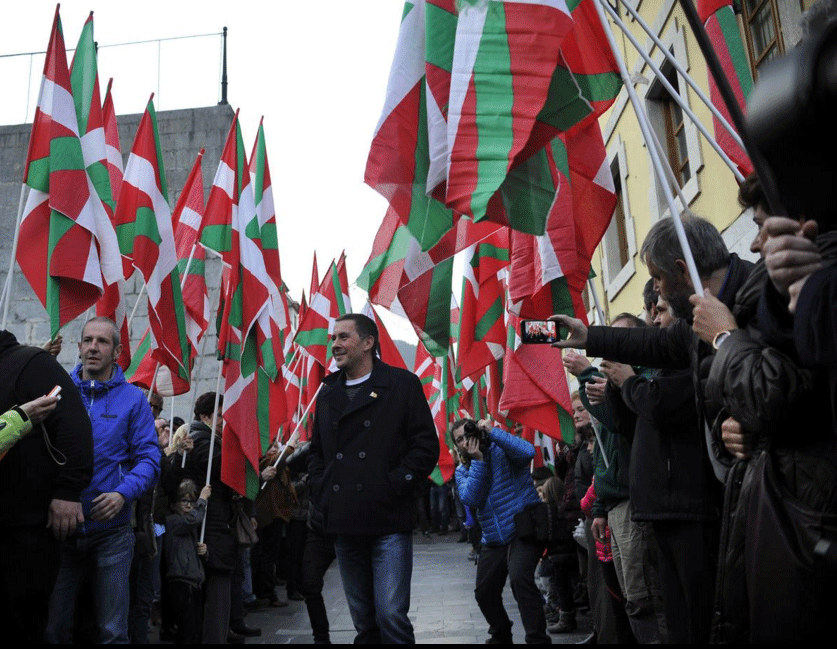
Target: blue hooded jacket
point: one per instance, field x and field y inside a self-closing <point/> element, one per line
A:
<point x="126" y="454"/>
<point x="499" y="486"/>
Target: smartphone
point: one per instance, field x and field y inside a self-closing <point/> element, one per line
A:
<point x="538" y="331"/>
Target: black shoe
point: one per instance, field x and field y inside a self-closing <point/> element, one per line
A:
<point x="234" y="638"/>
<point x="500" y="638"/>
<point x="246" y="631"/>
<point x="590" y="639"/>
<point x="297" y="597"/>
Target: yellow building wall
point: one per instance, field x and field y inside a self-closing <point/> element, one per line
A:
<point x="714" y="197"/>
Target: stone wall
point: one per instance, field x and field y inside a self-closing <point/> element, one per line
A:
<point x="182" y="134"/>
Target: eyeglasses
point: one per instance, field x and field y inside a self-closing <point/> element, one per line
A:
<point x="187" y="501"/>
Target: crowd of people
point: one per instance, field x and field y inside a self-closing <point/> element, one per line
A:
<point x="697" y="503"/>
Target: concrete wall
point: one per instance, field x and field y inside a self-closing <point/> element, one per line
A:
<point x="182" y="134"/>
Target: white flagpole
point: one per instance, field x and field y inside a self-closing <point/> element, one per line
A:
<point x="652" y="150"/>
<point x="6" y="297"/>
<point x="682" y="71"/>
<point x="596" y="301"/>
<point x="674" y="94"/>
<point x="295" y="435"/>
<point x="212" y="437"/>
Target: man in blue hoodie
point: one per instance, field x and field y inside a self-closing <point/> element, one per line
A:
<point x="126" y="463"/>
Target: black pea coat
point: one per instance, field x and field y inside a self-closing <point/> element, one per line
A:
<point x="368" y="455"/>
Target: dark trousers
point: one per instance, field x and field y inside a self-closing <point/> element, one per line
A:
<point x="293" y="550"/>
<point x="264" y="559"/>
<point x="687" y="573"/>
<point x="516" y="560"/>
<point x="29" y="560"/>
<point x="187" y="605"/>
<point x="317" y="557"/>
<point x="216" y="614"/>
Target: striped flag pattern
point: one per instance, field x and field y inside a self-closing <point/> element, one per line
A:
<point x="146" y="235"/>
<point x="70" y="250"/>
<point x="722" y="28"/>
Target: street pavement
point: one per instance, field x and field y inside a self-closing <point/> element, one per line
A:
<point x="442" y="605"/>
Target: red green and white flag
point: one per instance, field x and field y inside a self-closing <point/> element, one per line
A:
<point x="328" y="302"/>
<point x="549" y="272"/>
<point x="113" y="151"/>
<point x="504" y="58"/>
<point x="722" y="28"/>
<point x="389" y="352"/>
<point x="482" y="328"/>
<point x="146" y="235"/>
<point x="187" y="217"/>
<point x="430" y="371"/>
<point x="409" y="147"/>
<point x="267" y="240"/>
<point x="191" y="257"/>
<point x="69" y="250"/>
<point x="112" y="303"/>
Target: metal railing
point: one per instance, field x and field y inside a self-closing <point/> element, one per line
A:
<point x="177" y="69"/>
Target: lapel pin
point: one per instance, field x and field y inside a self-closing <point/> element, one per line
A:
<point x="374" y="395"/>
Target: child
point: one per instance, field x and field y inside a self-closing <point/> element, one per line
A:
<point x="184" y="557"/>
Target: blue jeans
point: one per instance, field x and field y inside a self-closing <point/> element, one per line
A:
<point x="106" y="557"/>
<point x="376" y="573"/>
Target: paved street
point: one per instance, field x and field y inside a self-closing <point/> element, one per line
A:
<point x="442" y="608"/>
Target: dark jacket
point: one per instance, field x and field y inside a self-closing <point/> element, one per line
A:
<point x="670" y="473"/>
<point x="220" y="537"/>
<point x="675" y="347"/>
<point x="30" y="476"/>
<point x="368" y="455"/>
<point x="182" y="534"/>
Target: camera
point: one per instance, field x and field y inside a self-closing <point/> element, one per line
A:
<point x="472" y="431"/>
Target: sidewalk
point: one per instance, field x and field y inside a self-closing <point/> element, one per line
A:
<point x="442" y="605"/>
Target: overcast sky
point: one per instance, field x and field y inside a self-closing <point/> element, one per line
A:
<point x="317" y="71"/>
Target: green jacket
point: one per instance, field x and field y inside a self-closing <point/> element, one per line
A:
<point x="14" y="424"/>
<point x="612" y="479"/>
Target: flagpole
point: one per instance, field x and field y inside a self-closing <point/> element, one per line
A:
<point x="199" y="360"/>
<point x="652" y="150"/>
<point x="136" y="305"/>
<point x="6" y="297"/>
<point x="682" y="71"/>
<point x="295" y="435"/>
<point x="674" y="94"/>
<point x="596" y="301"/>
<point x="212" y="436"/>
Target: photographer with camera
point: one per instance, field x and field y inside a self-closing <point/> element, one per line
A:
<point x="494" y="479"/>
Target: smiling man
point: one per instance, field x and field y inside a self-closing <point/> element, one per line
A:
<point x="126" y="462"/>
<point x="373" y="442"/>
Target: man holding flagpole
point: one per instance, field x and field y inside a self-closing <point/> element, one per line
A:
<point x="373" y="442"/>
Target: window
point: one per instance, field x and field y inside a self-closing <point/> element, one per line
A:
<point x="761" y="27"/>
<point x="619" y="242"/>
<point x="678" y="136"/>
<point x="675" y="129"/>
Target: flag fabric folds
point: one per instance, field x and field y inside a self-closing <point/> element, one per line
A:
<point x="146" y="235"/>
<point x="722" y="28"/>
<point x="70" y="249"/>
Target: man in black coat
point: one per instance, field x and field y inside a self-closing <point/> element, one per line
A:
<point x="41" y="480"/>
<point x="373" y="442"/>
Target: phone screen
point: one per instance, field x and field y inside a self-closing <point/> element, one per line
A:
<point x="538" y="331"/>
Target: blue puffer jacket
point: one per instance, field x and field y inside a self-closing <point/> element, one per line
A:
<point x="126" y="454"/>
<point x="499" y="486"/>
